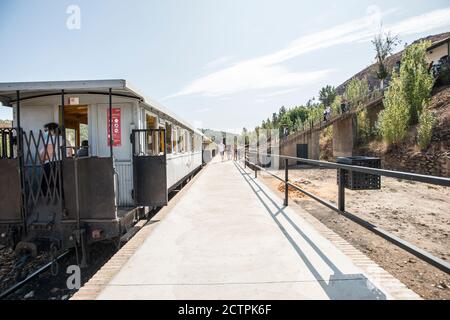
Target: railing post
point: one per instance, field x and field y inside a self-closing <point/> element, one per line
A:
<point x="286" y="180"/>
<point x="245" y="157"/>
<point x="256" y="172"/>
<point x="341" y="191"/>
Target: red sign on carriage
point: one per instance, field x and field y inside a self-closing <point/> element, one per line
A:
<point x="116" y="128"/>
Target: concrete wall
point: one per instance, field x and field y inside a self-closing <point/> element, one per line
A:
<point x="344" y="137"/>
<point x="310" y="138"/>
<point x="373" y="112"/>
<point x="437" y="53"/>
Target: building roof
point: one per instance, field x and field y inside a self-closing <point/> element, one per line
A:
<point x="438" y="43"/>
<point x="29" y="90"/>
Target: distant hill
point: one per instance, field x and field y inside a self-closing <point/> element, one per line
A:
<point x="5" y="123"/>
<point x="215" y="135"/>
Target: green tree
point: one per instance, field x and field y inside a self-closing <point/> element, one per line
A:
<point x="384" y="46"/>
<point x="408" y="93"/>
<point x="327" y="95"/>
<point x="336" y="105"/>
<point x="286" y="124"/>
<point x="393" y="120"/>
<point x="356" y="90"/>
<point x="416" y="81"/>
<point x="425" y="129"/>
<point x="275" y="120"/>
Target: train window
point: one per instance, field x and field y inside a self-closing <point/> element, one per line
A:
<point x="84" y="134"/>
<point x="193" y="144"/>
<point x="161" y="142"/>
<point x="71" y="136"/>
<point x="181" y="146"/>
<point x="169" y="138"/>
<point x="200" y="142"/>
<point x="174" y="140"/>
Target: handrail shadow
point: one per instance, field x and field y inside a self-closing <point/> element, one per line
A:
<point x="340" y="286"/>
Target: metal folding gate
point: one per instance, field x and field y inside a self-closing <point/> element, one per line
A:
<point x="149" y="167"/>
<point x="42" y="176"/>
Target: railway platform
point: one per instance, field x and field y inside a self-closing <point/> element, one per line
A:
<point x="229" y="237"/>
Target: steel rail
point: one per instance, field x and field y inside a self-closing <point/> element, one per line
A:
<point x="30" y="277"/>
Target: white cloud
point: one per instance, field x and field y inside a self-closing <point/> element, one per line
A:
<point x="218" y="62"/>
<point x="201" y="110"/>
<point x="267" y="72"/>
<point x="250" y="76"/>
<point x="279" y="92"/>
<point x="422" y="23"/>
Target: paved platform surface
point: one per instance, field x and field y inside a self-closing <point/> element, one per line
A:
<point x="229" y="237"/>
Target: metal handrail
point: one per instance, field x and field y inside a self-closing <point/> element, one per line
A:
<point x="441" y="181"/>
<point x="340" y="208"/>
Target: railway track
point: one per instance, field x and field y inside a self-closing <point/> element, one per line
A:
<point x="16" y="286"/>
<point x="36" y="269"/>
<point x="101" y="251"/>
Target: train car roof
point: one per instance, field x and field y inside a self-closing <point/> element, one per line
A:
<point x="29" y="90"/>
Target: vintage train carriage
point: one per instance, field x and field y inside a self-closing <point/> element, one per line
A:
<point x="117" y="154"/>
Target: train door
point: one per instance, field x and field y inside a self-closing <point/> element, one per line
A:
<point x="149" y="168"/>
<point x="10" y="180"/>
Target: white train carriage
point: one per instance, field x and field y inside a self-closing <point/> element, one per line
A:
<point x="118" y="152"/>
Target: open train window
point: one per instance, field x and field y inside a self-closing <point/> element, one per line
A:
<point x="174" y="140"/>
<point x="198" y="147"/>
<point x="181" y="142"/>
<point x="162" y="142"/>
<point x="169" y="138"/>
<point x="77" y="133"/>
<point x="71" y="135"/>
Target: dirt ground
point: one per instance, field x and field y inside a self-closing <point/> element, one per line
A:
<point x="416" y="212"/>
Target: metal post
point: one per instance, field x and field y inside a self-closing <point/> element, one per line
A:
<point x="245" y="157"/>
<point x="21" y="162"/>
<point x="111" y="140"/>
<point x="257" y="149"/>
<point x="19" y="133"/>
<point x="286" y="180"/>
<point x="62" y="126"/>
<point x="341" y="191"/>
<point x="256" y="172"/>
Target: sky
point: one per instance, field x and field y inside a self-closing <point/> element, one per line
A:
<point x="222" y="64"/>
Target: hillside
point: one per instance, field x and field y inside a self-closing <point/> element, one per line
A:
<point x="435" y="160"/>
<point x="371" y="71"/>
<point x="215" y="135"/>
<point x="5" y="123"/>
<point x="407" y="156"/>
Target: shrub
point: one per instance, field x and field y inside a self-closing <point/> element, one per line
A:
<point x="356" y="90"/>
<point x="364" y="130"/>
<point x="394" y="119"/>
<point x="408" y="92"/>
<point x="327" y="95"/>
<point x="444" y="74"/>
<point x="425" y="129"/>
<point x="416" y="81"/>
